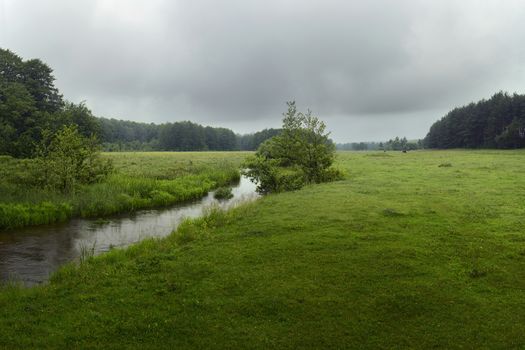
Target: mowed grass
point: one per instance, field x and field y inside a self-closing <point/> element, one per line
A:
<point x="140" y="180"/>
<point x="404" y="253"/>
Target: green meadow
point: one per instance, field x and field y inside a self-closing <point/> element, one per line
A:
<point x="140" y="180"/>
<point x="418" y="250"/>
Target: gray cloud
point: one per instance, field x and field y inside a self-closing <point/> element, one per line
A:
<point x="373" y="69"/>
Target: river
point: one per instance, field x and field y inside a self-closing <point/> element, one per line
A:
<point x="29" y="255"/>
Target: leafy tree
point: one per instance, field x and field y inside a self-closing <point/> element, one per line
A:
<point x="250" y="142"/>
<point x="79" y="115"/>
<point x="10" y="67"/>
<point x="39" y="81"/>
<point x="301" y="153"/>
<point x="67" y="159"/>
<point x="17" y="118"/>
<point x="35" y="75"/>
<point x="29" y="104"/>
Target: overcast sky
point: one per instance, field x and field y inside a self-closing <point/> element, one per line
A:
<point x="371" y="69"/>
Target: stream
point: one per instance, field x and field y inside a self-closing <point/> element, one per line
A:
<point x="30" y="254"/>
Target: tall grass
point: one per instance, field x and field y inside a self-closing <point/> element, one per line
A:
<point x="16" y="215"/>
<point x="141" y="180"/>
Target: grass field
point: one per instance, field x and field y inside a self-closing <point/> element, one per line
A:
<point x="141" y="180"/>
<point x="417" y="250"/>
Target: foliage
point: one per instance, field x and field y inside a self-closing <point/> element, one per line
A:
<point x="498" y="122"/>
<point x="357" y="146"/>
<point x="140" y="180"/>
<point x="30" y="103"/>
<point x="35" y="76"/>
<point x="122" y="135"/>
<point x="250" y="142"/>
<point x="188" y="136"/>
<point x="320" y="268"/>
<point x="223" y="193"/>
<point x="395" y="144"/>
<point x="301" y="153"/>
<point x="67" y="160"/>
<point x="401" y="144"/>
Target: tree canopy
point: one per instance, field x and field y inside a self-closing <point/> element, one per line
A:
<point x="301" y="153"/>
<point x="121" y="135"/>
<point x="498" y="122"/>
<point x="30" y="104"/>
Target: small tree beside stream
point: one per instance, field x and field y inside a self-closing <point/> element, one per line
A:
<point x="67" y="159"/>
<point x="301" y="154"/>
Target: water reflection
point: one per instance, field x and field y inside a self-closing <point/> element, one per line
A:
<point x="31" y="254"/>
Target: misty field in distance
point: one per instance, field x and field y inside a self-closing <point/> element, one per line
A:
<point x="420" y="249"/>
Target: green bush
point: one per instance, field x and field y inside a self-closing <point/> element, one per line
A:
<point x="67" y="159"/>
<point x="223" y="193"/>
<point x="301" y="154"/>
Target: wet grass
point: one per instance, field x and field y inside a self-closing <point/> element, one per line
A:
<point x="141" y="180"/>
<point x="401" y="254"/>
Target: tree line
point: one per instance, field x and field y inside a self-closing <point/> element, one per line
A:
<point x="31" y="107"/>
<point x="395" y="144"/>
<point x="123" y="135"/>
<point x="498" y="122"/>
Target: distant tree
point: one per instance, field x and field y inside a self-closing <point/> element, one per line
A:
<point x="492" y="123"/>
<point x="358" y="146"/>
<point x="81" y="116"/>
<point x="250" y="142"/>
<point x="361" y="146"/>
<point x="513" y="135"/>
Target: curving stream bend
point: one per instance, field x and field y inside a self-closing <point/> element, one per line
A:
<point x="31" y="254"/>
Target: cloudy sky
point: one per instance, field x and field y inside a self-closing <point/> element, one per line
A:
<point x="371" y="69"/>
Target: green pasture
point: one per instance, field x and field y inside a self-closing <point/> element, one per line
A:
<point x="419" y="250"/>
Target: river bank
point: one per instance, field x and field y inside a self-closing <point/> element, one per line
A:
<point x="141" y="180"/>
<point x="29" y="255"/>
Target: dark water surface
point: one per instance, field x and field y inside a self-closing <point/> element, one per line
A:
<point x="30" y="254"/>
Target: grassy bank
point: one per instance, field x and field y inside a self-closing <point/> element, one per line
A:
<point x="418" y="250"/>
<point x="141" y="180"/>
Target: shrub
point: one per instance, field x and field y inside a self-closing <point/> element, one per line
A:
<point x="223" y="193"/>
<point x="68" y="159"/>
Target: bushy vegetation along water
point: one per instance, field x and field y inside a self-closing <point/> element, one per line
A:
<point x="140" y="180"/>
